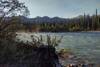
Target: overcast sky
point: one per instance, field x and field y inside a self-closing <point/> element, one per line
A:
<point x="61" y="8"/>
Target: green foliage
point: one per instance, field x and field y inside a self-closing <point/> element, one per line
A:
<point x="13" y="7"/>
<point x="8" y="28"/>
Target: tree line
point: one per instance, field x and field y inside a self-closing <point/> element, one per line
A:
<point x="80" y="23"/>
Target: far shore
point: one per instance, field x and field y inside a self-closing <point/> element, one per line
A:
<point x="56" y="32"/>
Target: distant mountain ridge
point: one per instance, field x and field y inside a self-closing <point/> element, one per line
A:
<point x="44" y="19"/>
<point x="38" y="19"/>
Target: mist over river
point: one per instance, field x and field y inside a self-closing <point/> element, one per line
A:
<point x="85" y="45"/>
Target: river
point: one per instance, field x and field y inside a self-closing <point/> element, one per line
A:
<point x="85" y="45"/>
